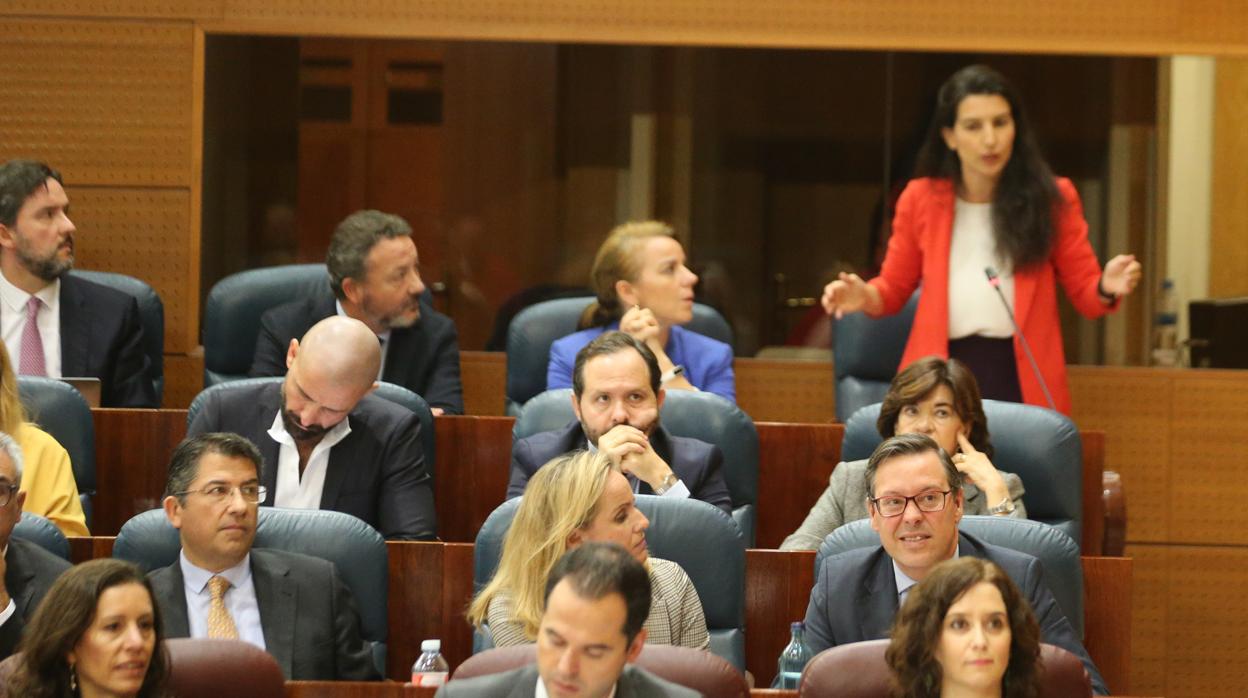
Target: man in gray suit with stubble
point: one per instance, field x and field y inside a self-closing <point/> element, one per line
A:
<point x="293" y="606"/>
<point x="597" y="599"/>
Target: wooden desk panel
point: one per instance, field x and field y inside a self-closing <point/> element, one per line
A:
<point x="777" y="591"/>
<point x="471" y="472"/>
<point x="794" y="464"/>
<point x="132" y="449"/>
<point x="355" y="689"/>
<point x="430" y="587"/>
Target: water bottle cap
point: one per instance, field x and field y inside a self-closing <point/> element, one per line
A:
<point x="797" y="625"/>
<point x="431" y="646"/>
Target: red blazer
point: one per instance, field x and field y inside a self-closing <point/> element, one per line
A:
<point x="918" y="251"/>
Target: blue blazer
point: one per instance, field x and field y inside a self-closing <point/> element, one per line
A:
<point x="698" y="464"/>
<point x="707" y="362"/>
<point x="855" y="599"/>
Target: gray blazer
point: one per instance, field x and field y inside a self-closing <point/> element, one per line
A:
<point x="522" y="683"/>
<point x="845" y="500"/>
<point x="309" y="619"/>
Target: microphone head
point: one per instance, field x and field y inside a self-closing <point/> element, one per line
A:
<point x="992" y="276"/>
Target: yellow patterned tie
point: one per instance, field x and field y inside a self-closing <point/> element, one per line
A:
<point x="220" y="624"/>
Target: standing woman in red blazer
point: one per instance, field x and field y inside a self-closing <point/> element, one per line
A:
<point x="983" y="196"/>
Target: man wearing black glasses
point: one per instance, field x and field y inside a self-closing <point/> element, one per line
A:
<point x="293" y="606"/>
<point x="914" y="498"/>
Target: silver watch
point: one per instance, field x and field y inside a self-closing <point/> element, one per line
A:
<point x="668" y="483"/>
<point x="1005" y="507"/>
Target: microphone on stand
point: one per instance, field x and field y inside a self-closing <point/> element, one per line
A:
<point x="995" y="282"/>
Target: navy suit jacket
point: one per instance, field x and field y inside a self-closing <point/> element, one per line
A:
<point x="29" y="573"/>
<point x="308" y="616"/>
<point x="855" y="599"/>
<point x="101" y="337"/>
<point x="423" y="358"/>
<point x="377" y="473"/>
<point x="698" y="464"/>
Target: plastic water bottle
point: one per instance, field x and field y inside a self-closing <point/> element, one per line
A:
<point x="1165" y="327"/>
<point x="794" y="657"/>
<point x="431" y="668"/>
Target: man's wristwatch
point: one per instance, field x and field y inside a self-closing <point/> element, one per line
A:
<point x="668" y="483"/>
<point x="1005" y="508"/>
<point x="675" y="371"/>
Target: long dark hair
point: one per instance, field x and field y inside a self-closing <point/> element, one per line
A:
<point x="1026" y="197"/>
<point x="64" y="615"/>
<point x="917" y="630"/>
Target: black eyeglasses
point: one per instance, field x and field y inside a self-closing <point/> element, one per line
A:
<point x="929" y="501"/>
<point x="219" y="494"/>
<point x="6" y="493"/>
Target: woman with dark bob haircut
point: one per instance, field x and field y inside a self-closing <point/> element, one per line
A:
<point x="965" y="631"/>
<point x="938" y="398"/>
<point x="97" y="633"/>
<point x="985" y="210"/>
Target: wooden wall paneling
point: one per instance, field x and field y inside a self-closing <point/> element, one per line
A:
<point x="777" y="590"/>
<point x="1112" y="27"/>
<point x="148" y="234"/>
<point x="785" y="391"/>
<point x="115" y="9"/>
<point x="1228" y="269"/>
<point x="106" y="103"/>
<point x="484" y="375"/>
<point x="132" y="449"/>
<point x="472" y="470"/>
<point x="795" y="462"/>
<point x="1150" y="619"/>
<point x="1107" y="618"/>
<point x="1207" y="621"/>
<point x="1132" y="406"/>
<point x="1206" y="458"/>
<point x="333" y="155"/>
<point x="188" y="323"/>
<point x="184" y="379"/>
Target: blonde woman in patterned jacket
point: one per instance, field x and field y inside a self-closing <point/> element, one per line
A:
<point x="576" y="498"/>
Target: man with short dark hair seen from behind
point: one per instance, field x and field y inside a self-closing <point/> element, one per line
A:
<point x="331" y="444"/>
<point x="52" y="323"/>
<point x="915" y="501"/>
<point x="293" y="606"/>
<point x="374" y="272"/>
<point x="597" y="600"/>
<point x="26" y="570"/>
<point x="616" y="395"/>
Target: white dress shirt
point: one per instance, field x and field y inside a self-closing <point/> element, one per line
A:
<point x="974" y="307"/>
<point x="293" y="491"/>
<point x="13" y="320"/>
<point x="384" y="338"/>
<point x="240" y="599"/>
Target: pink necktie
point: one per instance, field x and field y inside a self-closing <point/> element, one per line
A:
<point x="31" y="363"/>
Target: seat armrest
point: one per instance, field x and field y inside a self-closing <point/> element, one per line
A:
<point x="1115" y="514"/>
